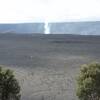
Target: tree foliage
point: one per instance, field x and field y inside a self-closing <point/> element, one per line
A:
<point x="9" y="86"/>
<point x="89" y="82"/>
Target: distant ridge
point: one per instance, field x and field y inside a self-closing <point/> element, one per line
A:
<point x="22" y="28"/>
<point x="82" y="28"/>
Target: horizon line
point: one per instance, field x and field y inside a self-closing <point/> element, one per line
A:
<point x="29" y="22"/>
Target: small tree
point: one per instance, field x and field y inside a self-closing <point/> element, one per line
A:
<point x="9" y="87"/>
<point x="89" y="82"/>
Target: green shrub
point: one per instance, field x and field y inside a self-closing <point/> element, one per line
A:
<point x="88" y="82"/>
<point x="9" y="87"/>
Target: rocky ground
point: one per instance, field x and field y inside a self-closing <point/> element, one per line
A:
<point x="47" y="65"/>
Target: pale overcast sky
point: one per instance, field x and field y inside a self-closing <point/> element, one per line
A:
<point x="12" y="11"/>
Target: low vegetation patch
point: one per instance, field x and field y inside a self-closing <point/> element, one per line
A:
<point x="9" y="86"/>
<point x="88" y="82"/>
